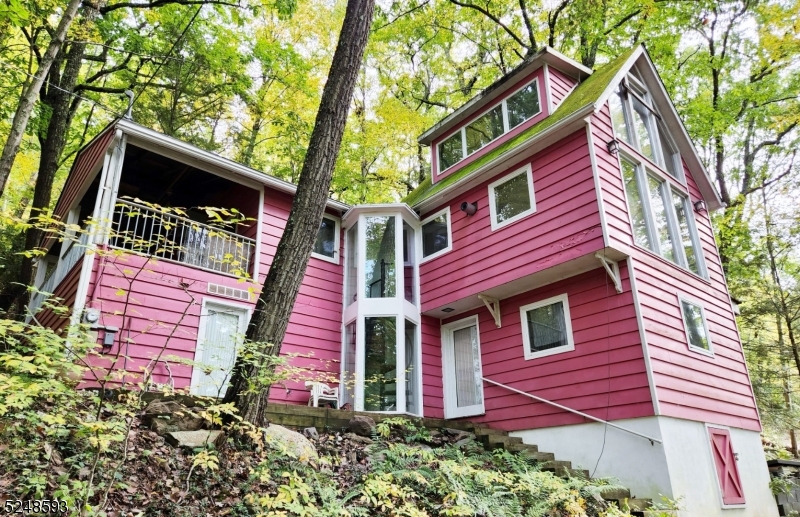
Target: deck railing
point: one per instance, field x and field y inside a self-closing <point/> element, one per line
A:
<point x="76" y="251"/>
<point x="162" y="235"/>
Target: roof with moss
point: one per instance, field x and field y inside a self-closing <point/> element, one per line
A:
<point x="588" y="92"/>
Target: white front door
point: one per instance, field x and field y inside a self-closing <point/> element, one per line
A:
<point x="222" y="328"/>
<point x="461" y="357"/>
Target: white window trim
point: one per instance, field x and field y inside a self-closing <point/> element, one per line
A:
<point x="643" y="169"/>
<point x="526" y="169"/>
<point x="336" y="241"/>
<point x="714" y="466"/>
<point x="450" y="410"/>
<point x="201" y="333"/>
<point x="445" y="210"/>
<point x="526" y="338"/>
<point x="710" y="351"/>
<point x="504" y="110"/>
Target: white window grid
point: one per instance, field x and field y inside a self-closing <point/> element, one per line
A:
<point x="668" y="186"/>
<point x="528" y="172"/>
<point x="463" y="130"/>
<point x="446" y="211"/>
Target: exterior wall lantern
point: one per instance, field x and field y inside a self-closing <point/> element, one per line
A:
<point x="469" y="208"/>
<point x="613" y="146"/>
<point x="700" y="206"/>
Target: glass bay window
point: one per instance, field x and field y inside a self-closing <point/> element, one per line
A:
<point x="381" y="353"/>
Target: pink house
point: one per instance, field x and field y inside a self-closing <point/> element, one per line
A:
<point x="559" y="280"/>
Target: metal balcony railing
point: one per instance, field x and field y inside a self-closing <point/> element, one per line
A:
<point x="142" y="229"/>
<point x="76" y="251"/>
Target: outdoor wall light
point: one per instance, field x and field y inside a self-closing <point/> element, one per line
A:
<point x="700" y="206"/>
<point x="469" y="208"/>
<point x="613" y="146"/>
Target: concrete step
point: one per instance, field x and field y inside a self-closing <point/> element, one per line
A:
<point x="542" y="457"/>
<point x="493" y="441"/>
<point x="617" y="494"/>
<point x="488" y="431"/>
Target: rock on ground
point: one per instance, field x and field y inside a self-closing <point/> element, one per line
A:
<point x="294" y="442"/>
<point x="362" y="425"/>
<point x="194" y="439"/>
<point x="169" y="416"/>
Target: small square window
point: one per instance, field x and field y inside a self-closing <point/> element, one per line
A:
<point x="511" y="198"/>
<point x="694" y="322"/>
<point x="436" y="238"/>
<point x="546" y="327"/>
<point x="326" y="247"/>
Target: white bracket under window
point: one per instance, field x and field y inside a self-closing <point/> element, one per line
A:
<point x="493" y="304"/>
<point x="612" y="269"/>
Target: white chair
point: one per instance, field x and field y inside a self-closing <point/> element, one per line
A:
<point x="321" y="391"/>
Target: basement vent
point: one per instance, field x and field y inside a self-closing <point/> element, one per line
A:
<point x="229" y="292"/>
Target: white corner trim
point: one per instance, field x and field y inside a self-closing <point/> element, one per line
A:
<point x="525" y="169"/>
<point x="449" y="247"/>
<point x="526" y="338"/>
<point x="648" y="364"/>
<point x="597" y="183"/>
<point x="336" y="241"/>
<point x="681" y="299"/>
<point x="259" y="236"/>
<point x="547" y="87"/>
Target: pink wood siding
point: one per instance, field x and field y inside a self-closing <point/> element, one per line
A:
<point x="539" y="75"/>
<point x="689" y="384"/>
<point x="432" y="394"/>
<point x="82" y="168"/>
<point x="604" y="376"/>
<point x="566" y="225"/>
<point x="560" y="85"/>
<point x="158" y="301"/>
<point x="66" y="292"/>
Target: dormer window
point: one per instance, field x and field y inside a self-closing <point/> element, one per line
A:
<point x="518" y="107"/>
<point x="637" y="123"/>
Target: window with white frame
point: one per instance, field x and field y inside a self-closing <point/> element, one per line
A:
<point x="518" y="107"/>
<point x="694" y="322"/>
<point x="326" y="246"/>
<point x="636" y="122"/>
<point x="546" y="327"/>
<point x="661" y="217"/>
<point x="511" y="197"/>
<point x="436" y="234"/>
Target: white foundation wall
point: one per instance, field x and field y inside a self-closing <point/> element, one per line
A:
<point x="681" y="467"/>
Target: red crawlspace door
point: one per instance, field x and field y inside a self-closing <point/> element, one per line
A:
<point x="727" y="472"/>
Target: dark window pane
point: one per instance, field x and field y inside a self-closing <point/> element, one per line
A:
<point x="695" y="326"/>
<point x="635" y="206"/>
<point x="485" y="129"/>
<point x="522" y="105"/>
<point x="547" y="327"/>
<point x="434" y="235"/>
<point x="379" y="266"/>
<point x="680" y="203"/>
<point x="512" y="198"/>
<point x="326" y="238"/>
<point x="667" y="152"/>
<point x="380" y="364"/>
<point x="450" y="151"/>
<point x="643" y="128"/>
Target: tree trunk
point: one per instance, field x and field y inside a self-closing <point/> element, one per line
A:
<point x="269" y="322"/>
<point x="62" y="109"/>
<point x="28" y="99"/>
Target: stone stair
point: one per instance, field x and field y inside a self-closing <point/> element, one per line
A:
<point x="492" y="439"/>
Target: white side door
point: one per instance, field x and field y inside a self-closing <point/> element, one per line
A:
<point x="461" y="362"/>
<point x="221" y="331"/>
